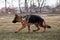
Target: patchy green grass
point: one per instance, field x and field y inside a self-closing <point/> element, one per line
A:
<point x="7" y="29"/>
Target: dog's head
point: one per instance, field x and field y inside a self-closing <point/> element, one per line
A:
<point x="17" y="18"/>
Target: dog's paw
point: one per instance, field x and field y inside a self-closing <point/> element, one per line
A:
<point x="34" y="30"/>
<point x="16" y="32"/>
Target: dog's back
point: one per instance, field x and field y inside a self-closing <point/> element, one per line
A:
<point x="34" y="19"/>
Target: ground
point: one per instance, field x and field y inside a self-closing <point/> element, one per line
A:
<point x="7" y="29"/>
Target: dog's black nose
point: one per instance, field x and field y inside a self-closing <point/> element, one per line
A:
<point x="13" y="21"/>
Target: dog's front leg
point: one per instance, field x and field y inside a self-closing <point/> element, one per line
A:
<point x="22" y="27"/>
<point x="24" y="22"/>
<point x="44" y="26"/>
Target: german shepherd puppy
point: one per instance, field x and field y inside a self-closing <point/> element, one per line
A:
<point x="30" y="19"/>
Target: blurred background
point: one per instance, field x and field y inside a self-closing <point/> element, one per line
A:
<point x="29" y="6"/>
<point x="49" y="10"/>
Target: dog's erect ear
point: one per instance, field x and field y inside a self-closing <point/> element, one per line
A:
<point x="16" y="15"/>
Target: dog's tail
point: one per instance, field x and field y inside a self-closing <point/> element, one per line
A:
<point x="48" y="26"/>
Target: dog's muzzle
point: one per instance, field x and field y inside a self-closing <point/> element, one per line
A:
<point x="14" y="21"/>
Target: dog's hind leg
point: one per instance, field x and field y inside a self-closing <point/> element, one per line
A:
<point x="38" y="28"/>
<point x="44" y="26"/>
<point x="28" y="27"/>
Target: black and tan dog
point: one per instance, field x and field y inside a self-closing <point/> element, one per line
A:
<point x="30" y="19"/>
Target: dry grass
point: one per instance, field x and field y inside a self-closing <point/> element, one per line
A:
<point x="7" y="29"/>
